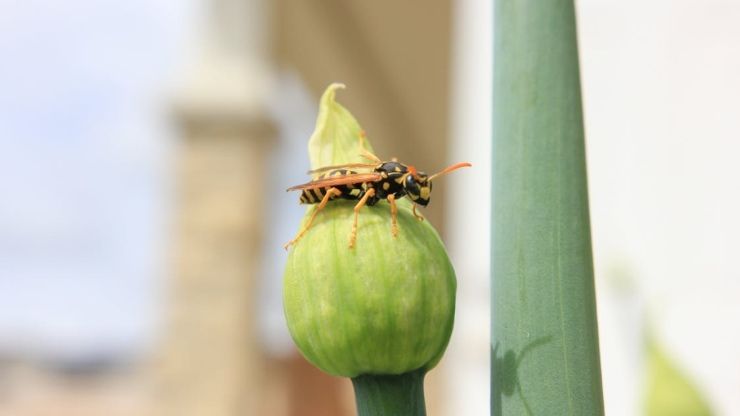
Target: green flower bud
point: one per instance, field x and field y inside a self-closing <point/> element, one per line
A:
<point x="385" y="306"/>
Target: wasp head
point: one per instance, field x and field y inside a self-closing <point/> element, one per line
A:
<point x="418" y="186"/>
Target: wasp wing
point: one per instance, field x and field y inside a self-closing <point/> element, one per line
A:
<point x="338" y="180"/>
<point x="346" y="165"/>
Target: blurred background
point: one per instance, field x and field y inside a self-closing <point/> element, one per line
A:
<point x="145" y="147"/>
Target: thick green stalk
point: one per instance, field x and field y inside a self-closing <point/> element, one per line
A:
<point x="387" y="395"/>
<point x="545" y="354"/>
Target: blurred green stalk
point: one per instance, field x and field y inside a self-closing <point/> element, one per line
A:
<point x="545" y="353"/>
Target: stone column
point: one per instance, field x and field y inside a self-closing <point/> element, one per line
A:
<point x="210" y="363"/>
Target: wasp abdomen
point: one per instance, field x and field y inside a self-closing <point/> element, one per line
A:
<point x="351" y="191"/>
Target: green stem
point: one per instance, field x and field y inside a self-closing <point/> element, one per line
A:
<point x="545" y="340"/>
<point x="390" y="395"/>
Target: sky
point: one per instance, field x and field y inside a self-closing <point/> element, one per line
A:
<point x="84" y="151"/>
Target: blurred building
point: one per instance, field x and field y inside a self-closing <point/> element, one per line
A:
<point x="234" y="138"/>
<point x="209" y="362"/>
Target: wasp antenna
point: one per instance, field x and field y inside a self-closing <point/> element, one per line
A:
<point x="449" y="169"/>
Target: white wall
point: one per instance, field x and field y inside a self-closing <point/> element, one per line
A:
<point x="661" y="87"/>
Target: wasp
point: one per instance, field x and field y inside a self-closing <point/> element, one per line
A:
<point x="385" y="180"/>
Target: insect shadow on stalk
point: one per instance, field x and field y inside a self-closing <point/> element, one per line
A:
<point x="504" y="372"/>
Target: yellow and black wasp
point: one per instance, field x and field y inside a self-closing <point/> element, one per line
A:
<point x="386" y="180"/>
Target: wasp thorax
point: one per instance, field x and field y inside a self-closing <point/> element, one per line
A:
<point x="418" y="187"/>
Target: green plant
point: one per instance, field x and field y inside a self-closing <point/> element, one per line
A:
<point x="669" y="392"/>
<point x="545" y="355"/>
<point x="380" y="313"/>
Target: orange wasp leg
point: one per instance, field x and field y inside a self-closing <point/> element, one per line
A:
<point x="329" y="193"/>
<point x="353" y="234"/>
<point x="365" y="153"/>
<point x="416" y="214"/>
<point x="394" y="213"/>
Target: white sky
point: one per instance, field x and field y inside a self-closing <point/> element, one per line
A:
<point x="83" y="151"/>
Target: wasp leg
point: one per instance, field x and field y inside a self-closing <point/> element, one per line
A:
<point x="365" y="153"/>
<point x="353" y="234"/>
<point x="329" y="193"/>
<point x="370" y="156"/>
<point x="416" y="214"/>
<point x="394" y="213"/>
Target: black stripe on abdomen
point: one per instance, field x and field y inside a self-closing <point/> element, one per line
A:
<point x="318" y="193"/>
<point x="312" y="196"/>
